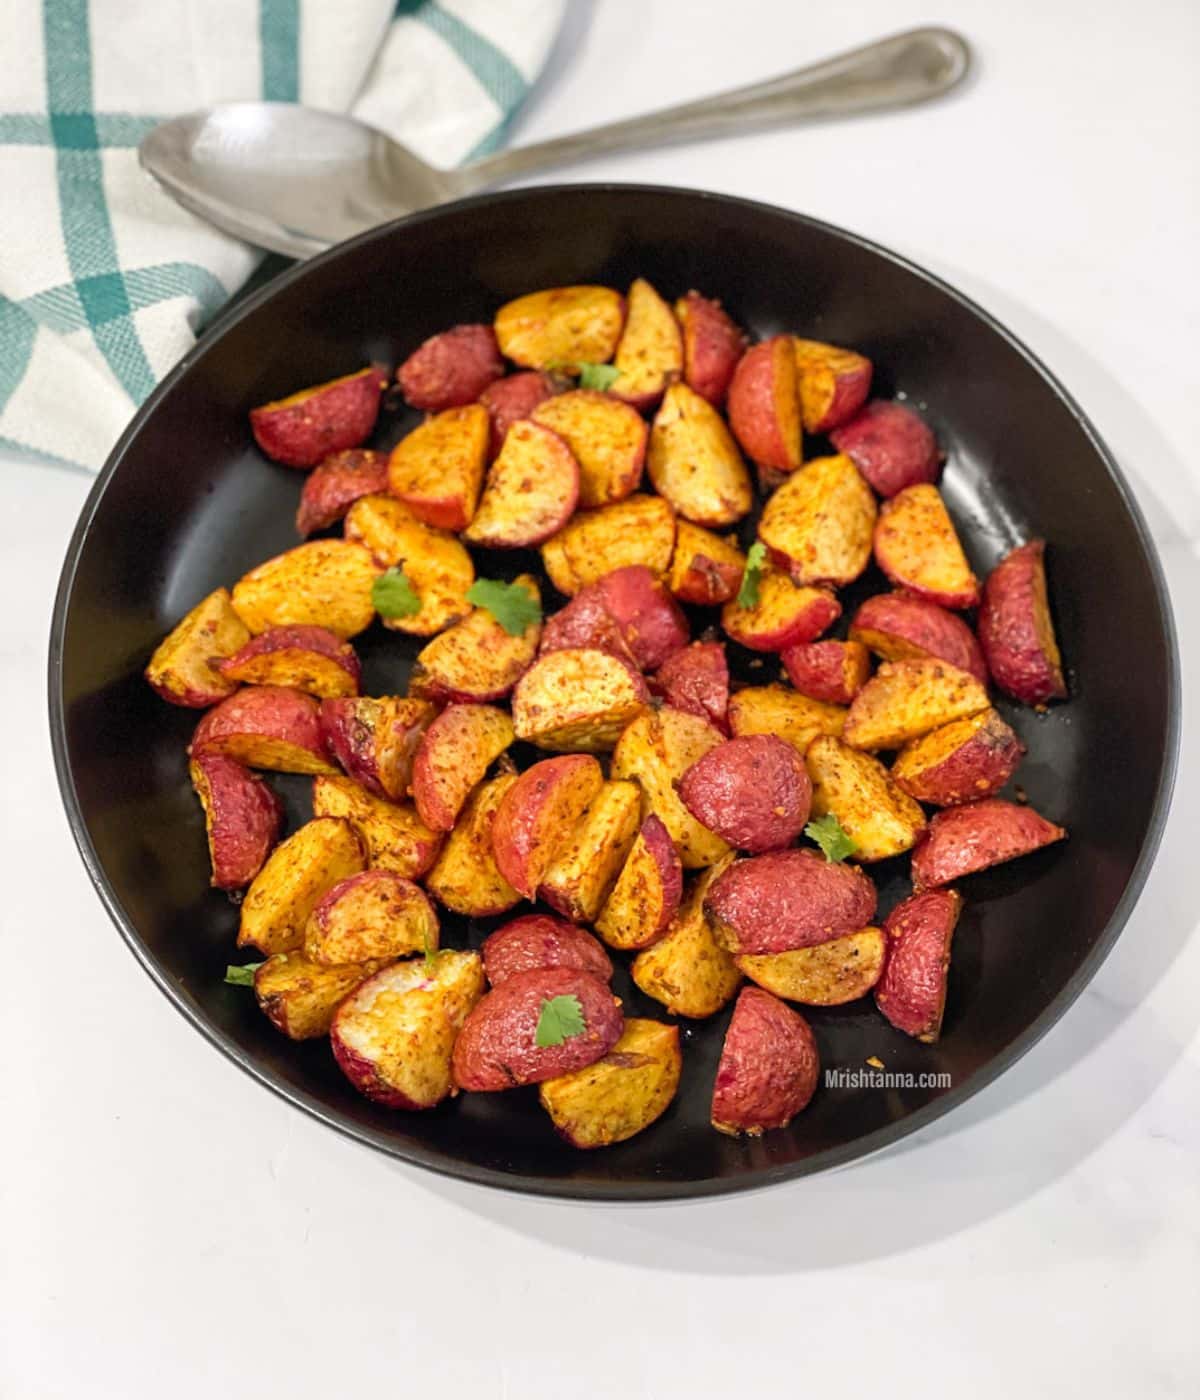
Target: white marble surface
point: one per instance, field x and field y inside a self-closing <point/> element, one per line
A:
<point x="167" y="1228"/>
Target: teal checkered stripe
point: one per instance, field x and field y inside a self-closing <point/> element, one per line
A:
<point x="83" y="209"/>
<point x="495" y="72"/>
<point x="93" y="301"/>
<point x="105" y="129"/>
<point x="102" y="298"/>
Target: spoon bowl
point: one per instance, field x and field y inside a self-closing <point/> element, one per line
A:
<point x="291" y="178"/>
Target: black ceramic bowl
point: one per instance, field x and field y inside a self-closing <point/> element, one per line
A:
<point x="187" y="503"/>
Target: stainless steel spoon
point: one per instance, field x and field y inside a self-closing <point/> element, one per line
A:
<point x="297" y="180"/>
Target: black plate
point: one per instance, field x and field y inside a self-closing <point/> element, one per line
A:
<point x="186" y="503"/>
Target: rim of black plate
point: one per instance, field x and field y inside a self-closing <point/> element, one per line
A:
<point x="627" y="1192"/>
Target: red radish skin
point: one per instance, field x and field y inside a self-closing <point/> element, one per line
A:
<point x="696" y="681"/>
<point x="962" y="840"/>
<point x="628" y="613"/>
<point x="335" y="483"/>
<point x="788" y="899"/>
<point x="753" y="792"/>
<point x="712" y="346"/>
<point x="769" y="1066"/>
<point x="709" y="582"/>
<point x="497" y="1048"/>
<point x="361" y="1072"/>
<point x="539" y="941"/>
<point x="651" y="621"/>
<point x="512" y="398"/>
<point x="1016" y="631"/>
<point x="243" y="816"/>
<point x="911" y="991"/>
<point x="307" y="427"/>
<point x="891" y="446"/>
<point x="277" y="715"/>
<point x="764" y="406"/>
<point x="385" y="882"/>
<point x="900" y="626"/>
<point x="585" y="623"/>
<point x="519" y="831"/>
<point x="451" y="369"/>
<point x="833" y="672"/>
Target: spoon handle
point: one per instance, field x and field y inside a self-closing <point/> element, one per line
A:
<point x="906" y="68"/>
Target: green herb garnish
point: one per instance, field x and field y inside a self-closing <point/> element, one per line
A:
<point x="241" y="976"/>
<point x="393" y="595"/>
<point x="599" y="377"/>
<point x="827" y="832"/>
<point x="756" y="566"/>
<point x="559" y="1019"/>
<point x="509" y="603"/>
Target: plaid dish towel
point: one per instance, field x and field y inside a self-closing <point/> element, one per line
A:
<point x="104" y="281"/>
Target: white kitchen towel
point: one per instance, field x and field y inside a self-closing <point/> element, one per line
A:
<point x="104" y="281"/>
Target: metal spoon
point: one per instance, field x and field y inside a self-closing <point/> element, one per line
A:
<point x="297" y="180"/>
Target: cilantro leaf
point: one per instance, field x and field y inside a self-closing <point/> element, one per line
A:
<point x="756" y="564"/>
<point x="599" y="377"/>
<point x="559" y="1019"/>
<point x="827" y="832"/>
<point x="241" y="976"/>
<point x="393" y="595"/>
<point x="509" y="603"/>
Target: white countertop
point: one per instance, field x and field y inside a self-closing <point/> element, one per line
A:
<point x="171" y="1229"/>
